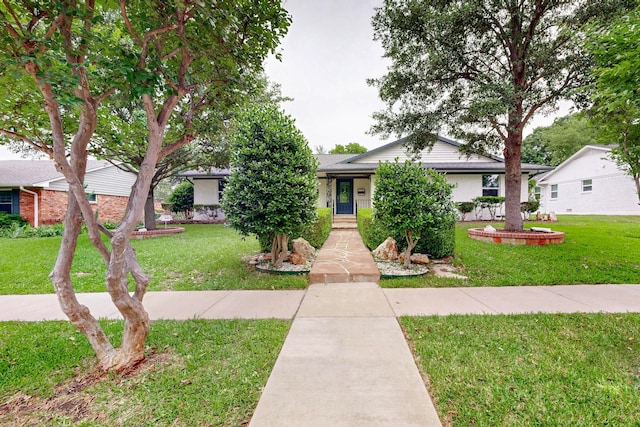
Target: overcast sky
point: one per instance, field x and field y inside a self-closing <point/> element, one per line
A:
<point x="327" y="57"/>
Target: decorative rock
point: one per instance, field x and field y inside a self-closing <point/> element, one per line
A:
<point x="420" y="259"/>
<point x="302" y="248"/>
<point x="388" y="250"/>
<point x="489" y="229"/>
<point x="301" y="252"/>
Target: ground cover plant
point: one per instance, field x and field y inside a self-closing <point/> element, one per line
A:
<point x="198" y="372"/>
<point x="203" y="257"/>
<point x="525" y="370"/>
<point x="597" y="249"/>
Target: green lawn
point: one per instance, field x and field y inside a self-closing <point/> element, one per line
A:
<point x="204" y="257"/>
<point x="531" y="370"/>
<point x="597" y="249"/>
<point x="198" y="373"/>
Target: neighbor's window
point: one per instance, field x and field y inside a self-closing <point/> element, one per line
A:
<point x="5" y="201"/>
<point x="92" y="197"/>
<point x="490" y="185"/>
<point x="220" y="189"/>
<point x="587" y="185"/>
<point x="554" y="191"/>
<point x="536" y="193"/>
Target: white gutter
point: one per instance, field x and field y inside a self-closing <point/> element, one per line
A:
<point x="35" y="205"/>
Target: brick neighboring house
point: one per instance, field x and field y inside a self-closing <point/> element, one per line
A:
<point x="37" y="192"/>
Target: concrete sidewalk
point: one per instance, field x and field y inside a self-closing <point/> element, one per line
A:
<point x="285" y="304"/>
<point x="345" y="363"/>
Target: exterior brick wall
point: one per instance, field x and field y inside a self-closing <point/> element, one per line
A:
<point x="52" y="206"/>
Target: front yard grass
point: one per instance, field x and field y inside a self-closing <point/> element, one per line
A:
<point x="531" y="370"/>
<point x="204" y="257"/>
<point x="198" y="372"/>
<point x="597" y="249"/>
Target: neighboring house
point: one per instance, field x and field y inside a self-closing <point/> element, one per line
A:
<point x="346" y="182"/>
<point x="37" y="192"/>
<point x="207" y="192"/>
<point x="589" y="182"/>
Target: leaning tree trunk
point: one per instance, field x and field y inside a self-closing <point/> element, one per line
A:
<point x="411" y="243"/>
<point x="513" y="181"/>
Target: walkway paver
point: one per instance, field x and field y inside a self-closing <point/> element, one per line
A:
<point x="344" y="258"/>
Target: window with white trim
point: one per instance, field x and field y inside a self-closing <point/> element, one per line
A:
<point x="587" y="185"/>
<point x="221" y="183"/>
<point x="554" y="191"/>
<point x="92" y="197"/>
<point x="537" y="192"/>
<point x="490" y="185"/>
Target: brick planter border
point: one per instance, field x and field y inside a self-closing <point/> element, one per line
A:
<point x="157" y="232"/>
<point x="533" y="238"/>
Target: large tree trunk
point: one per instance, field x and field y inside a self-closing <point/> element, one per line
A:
<point x="513" y="181"/>
<point x="78" y="314"/>
<point x="150" y="212"/>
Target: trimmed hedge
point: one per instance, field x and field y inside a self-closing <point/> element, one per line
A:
<point x="316" y="235"/>
<point x="438" y="243"/>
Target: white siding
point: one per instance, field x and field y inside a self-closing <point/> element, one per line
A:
<point x="441" y="152"/>
<point x="108" y="180"/>
<point x="613" y="191"/>
<point x="205" y="192"/>
<point x="322" y="193"/>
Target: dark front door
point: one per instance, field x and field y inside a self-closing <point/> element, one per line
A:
<point x="344" y="205"/>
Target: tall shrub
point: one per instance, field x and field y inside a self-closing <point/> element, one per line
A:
<point x="412" y="202"/>
<point x="181" y="198"/>
<point x="272" y="189"/>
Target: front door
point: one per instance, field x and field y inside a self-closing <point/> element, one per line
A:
<point x="344" y="205"/>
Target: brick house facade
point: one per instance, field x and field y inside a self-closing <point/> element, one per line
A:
<point x="53" y="204"/>
<point x="25" y="184"/>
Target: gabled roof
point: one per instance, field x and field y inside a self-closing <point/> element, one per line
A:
<point x="577" y="154"/>
<point x="345" y="163"/>
<point x="402" y="141"/>
<point x="37" y="173"/>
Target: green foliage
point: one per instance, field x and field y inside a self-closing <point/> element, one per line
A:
<point x="529" y="207"/>
<point x="350" y="148"/>
<point x="616" y="101"/>
<point x="465" y="207"/>
<point x="272" y="187"/>
<point x="371" y="231"/>
<point x="319" y="231"/>
<point x="316" y="234"/>
<point x="181" y="198"/>
<point x="491" y="203"/>
<point x="17" y="231"/>
<point x="552" y="145"/>
<point x="8" y="220"/>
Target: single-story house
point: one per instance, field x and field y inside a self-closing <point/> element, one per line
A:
<point x="346" y="182"/>
<point x="588" y="182"/>
<point x="35" y="190"/>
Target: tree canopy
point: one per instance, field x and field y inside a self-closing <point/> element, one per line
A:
<point x="181" y="62"/>
<point x="350" y="148"/>
<point x="552" y="145"/>
<point x="272" y="190"/>
<point x="616" y="95"/>
<point x="480" y="71"/>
